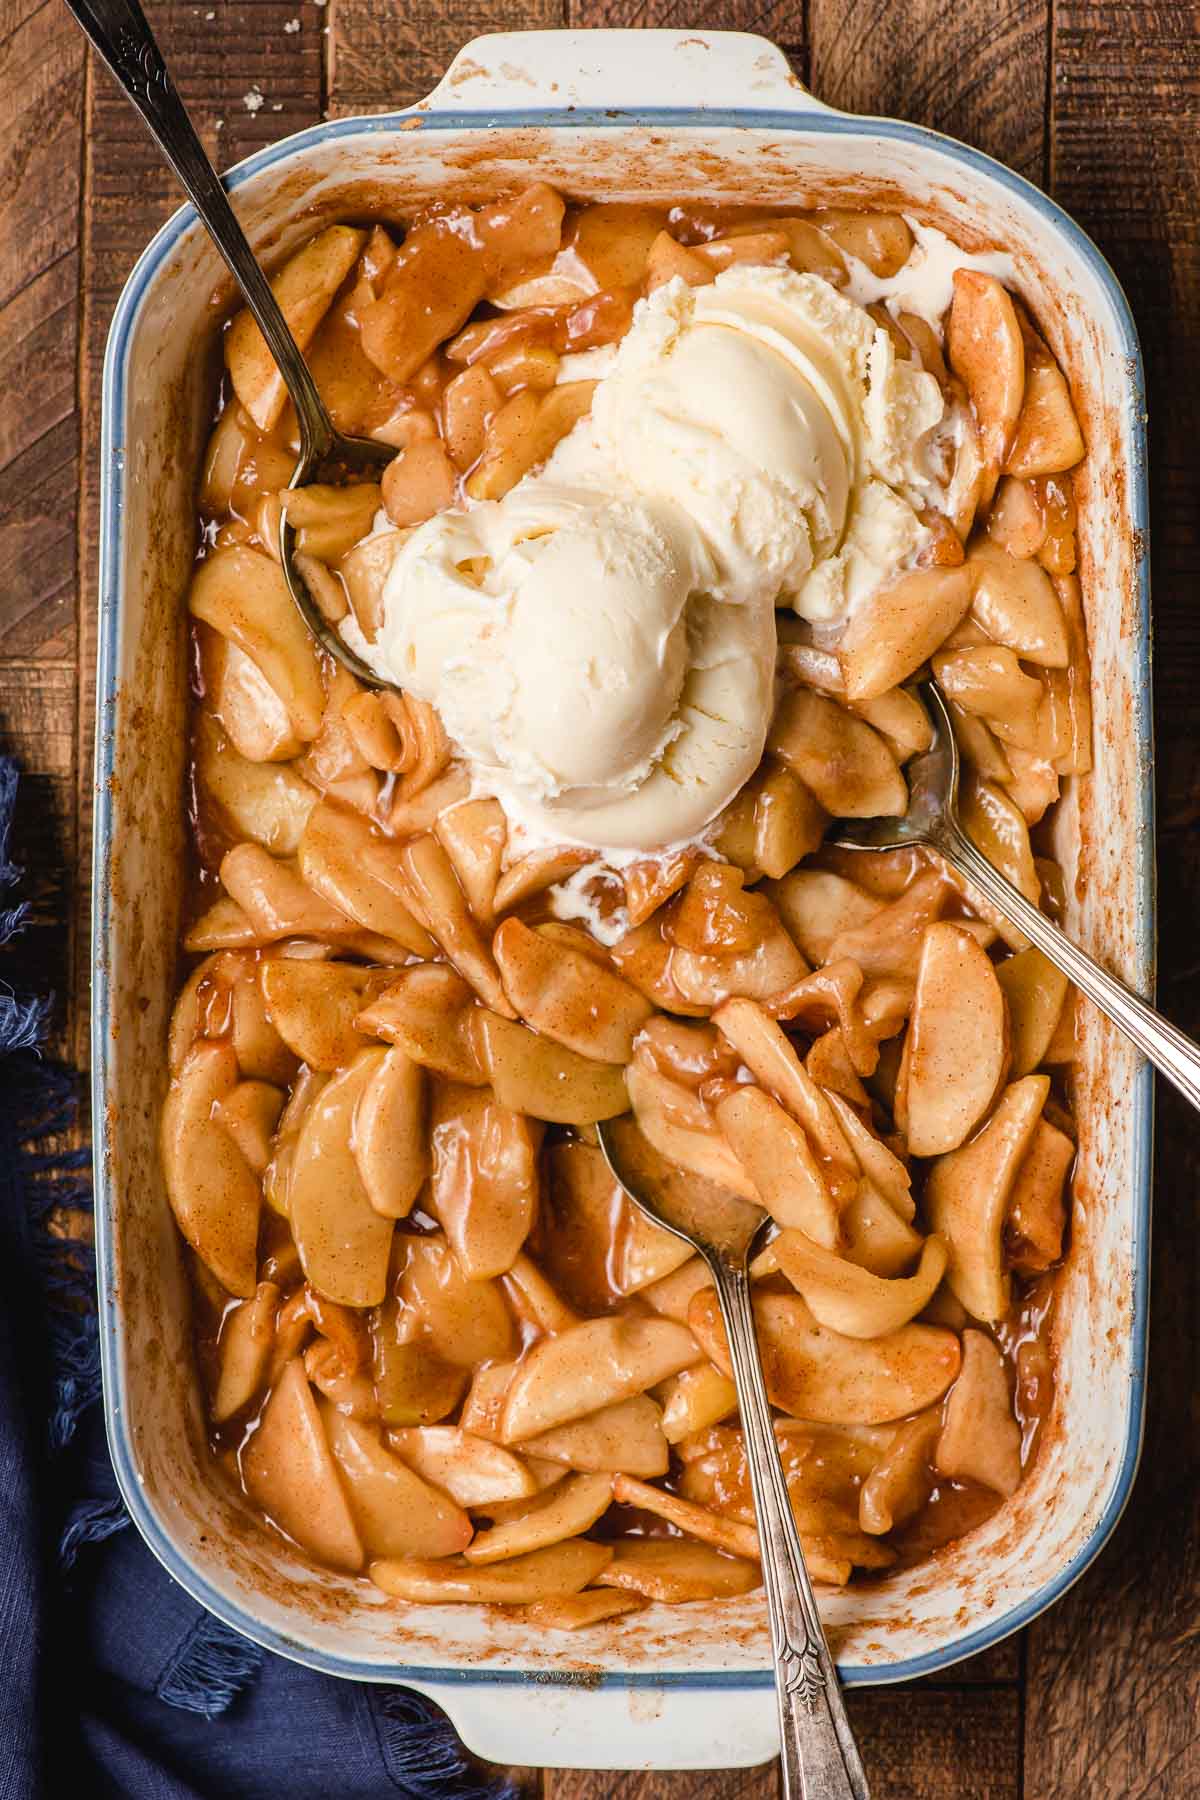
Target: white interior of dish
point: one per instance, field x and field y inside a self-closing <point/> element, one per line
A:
<point x="252" y="1576"/>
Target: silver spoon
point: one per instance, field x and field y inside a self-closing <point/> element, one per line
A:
<point x="819" y="1756"/>
<point x="121" y="34"/>
<point x="932" y="823"/>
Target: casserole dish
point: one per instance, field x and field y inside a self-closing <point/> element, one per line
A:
<point x="585" y="112"/>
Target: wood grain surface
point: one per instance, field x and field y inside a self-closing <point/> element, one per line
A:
<point x="1098" y="102"/>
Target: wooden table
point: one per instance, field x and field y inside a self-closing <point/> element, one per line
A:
<point x="1100" y="103"/>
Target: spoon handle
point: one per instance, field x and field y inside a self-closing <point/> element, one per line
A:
<point x="1171" y="1052"/>
<point x="820" y="1758"/>
<point x="121" y="34"/>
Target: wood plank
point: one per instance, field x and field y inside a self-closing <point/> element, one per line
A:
<point x="975" y="71"/>
<point x="41" y="65"/>
<point x="692" y="1784"/>
<point x="248" y="80"/>
<point x="385" y="55"/>
<point x="922" y="1742"/>
<point x="917" y="1743"/>
<point x="1113" y="1701"/>
<point x="782" y="20"/>
<point x="1003" y="1663"/>
<point x="525" y="1784"/>
<point x="1113" y="1677"/>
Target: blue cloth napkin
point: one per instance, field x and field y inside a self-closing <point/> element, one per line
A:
<point x="112" y="1678"/>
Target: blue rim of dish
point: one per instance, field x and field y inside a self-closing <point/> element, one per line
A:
<point x="822" y="121"/>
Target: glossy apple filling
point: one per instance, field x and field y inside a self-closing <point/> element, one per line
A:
<point x="437" y="1345"/>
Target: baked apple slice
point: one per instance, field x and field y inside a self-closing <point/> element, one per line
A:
<point x="483" y="1186"/>
<point x="986" y="351"/>
<point x="214" y="1193"/>
<point x="397" y="1514"/>
<point x="592" y="1365"/>
<point x="627" y="1435"/>
<point x="390" y="1140"/>
<point x="813" y="1373"/>
<point x="848" y="1299"/>
<point x="957" y="1047"/>
<point x="313" y="1006"/>
<point x="290" y="1473"/>
<point x="675" y="1571"/>
<point x="1013" y="599"/>
<point x="304" y="288"/>
<point x="343" y="858"/>
<point x="776" y="1155"/>
<point x="566" y="1510"/>
<point x="838" y="757"/>
<point x="556" y="1570"/>
<point x="344" y="1243"/>
<point x="530" y="1074"/>
<point x="243" y="595"/>
<point x="427" y="1012"/>
<point x="899" y="627"/>
<point x="981" y="1440"/>
<point x="967" y="1198"/>
<point x="569" y="996"/>
<point x="468" y="1468"/>
<point x="247" y="1336"/>
<point x="1036" y="992"/>
<point x="902" y="1480"/>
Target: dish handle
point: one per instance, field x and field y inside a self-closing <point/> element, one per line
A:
<point x="575" y="1722"/>
<point x="521" y="71"/>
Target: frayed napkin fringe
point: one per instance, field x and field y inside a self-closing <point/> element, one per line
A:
<point x="90" y="1523"/>
<point x="212" y="1667"/>
<point x="424" y="1757"/>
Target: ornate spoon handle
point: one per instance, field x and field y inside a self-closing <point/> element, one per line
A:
<point x="1172" y="1053"/>
<point x="121" y="34"/>
<point x="820" y="1759"/>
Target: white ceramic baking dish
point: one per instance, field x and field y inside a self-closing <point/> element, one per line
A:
<point x="615" y="115"/>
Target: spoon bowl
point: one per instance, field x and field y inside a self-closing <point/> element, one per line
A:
<point x="341" y="462"/>
<point x="709" y="1218"/>
<point x="933" y="794"/>
<point x="120" y="33"/>
<point x="933" y="823"/>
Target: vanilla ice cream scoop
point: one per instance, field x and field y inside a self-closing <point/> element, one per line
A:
<point x="553" y="635"/>
<point x="737" y="431"/>
<point x="776" y="412"/>
<point x="601" y="641"/>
